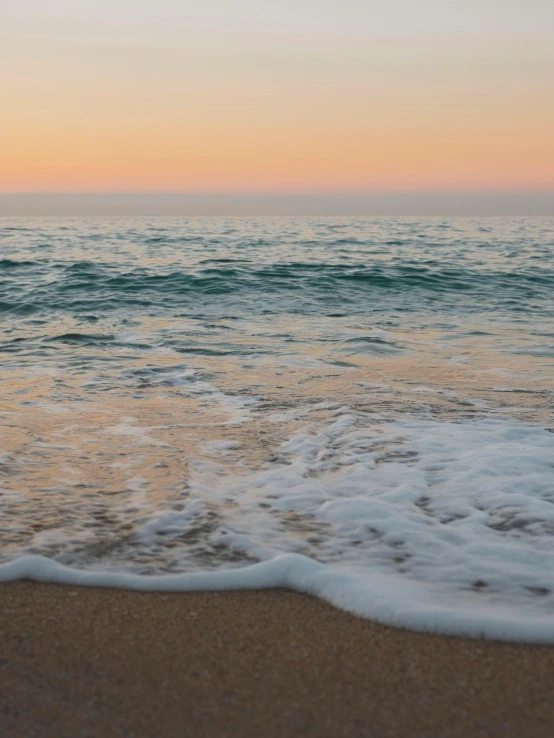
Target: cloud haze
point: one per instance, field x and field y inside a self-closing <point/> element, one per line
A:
<point x="394" y="204"/>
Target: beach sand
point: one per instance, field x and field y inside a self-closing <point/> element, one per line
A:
<point x="84" y="662"/>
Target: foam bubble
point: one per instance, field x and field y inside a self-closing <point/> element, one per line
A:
<point x="443" y="527"/>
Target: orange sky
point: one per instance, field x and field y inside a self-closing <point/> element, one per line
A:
<point x="93" y="107"/>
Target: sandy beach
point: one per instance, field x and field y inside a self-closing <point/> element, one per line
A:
<point x="84" y="662"/>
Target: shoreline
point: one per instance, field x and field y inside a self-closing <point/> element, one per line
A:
<point x="102" y="662"/>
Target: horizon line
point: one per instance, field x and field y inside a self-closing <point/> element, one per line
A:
<point x="190" y="204"/>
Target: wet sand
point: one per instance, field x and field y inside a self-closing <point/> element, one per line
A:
<point x="102" y="663"/>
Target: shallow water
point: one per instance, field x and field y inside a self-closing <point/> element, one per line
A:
<point x="192" y="395"/>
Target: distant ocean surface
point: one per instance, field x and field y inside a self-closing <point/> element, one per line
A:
<point x="357" y="408"/>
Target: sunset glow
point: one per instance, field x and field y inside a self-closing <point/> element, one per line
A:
<point x="178" y="100"/>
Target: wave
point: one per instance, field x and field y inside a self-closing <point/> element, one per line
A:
<point x="410" y="607"/>
<point x="374" y="448"/>
<point x="435" y="526"/>
<point x="89" y="281"/>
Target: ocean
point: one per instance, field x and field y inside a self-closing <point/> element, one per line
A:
<point x="361" y="409"/>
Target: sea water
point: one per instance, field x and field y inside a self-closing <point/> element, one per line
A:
<point x="359" y="408"/>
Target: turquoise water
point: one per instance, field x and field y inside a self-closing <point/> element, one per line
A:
<point x="92" y="269"/>
<point x="185" y="395"/>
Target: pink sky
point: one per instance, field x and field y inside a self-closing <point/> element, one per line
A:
<point x="151" y="97"/>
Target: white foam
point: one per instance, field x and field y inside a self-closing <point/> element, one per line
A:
<point x="436" y="526"/>
<point x="183" y="377"/>
<point x="139" y="433"/>
<point x="376" y="597"/>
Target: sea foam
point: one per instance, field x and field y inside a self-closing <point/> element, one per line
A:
<point x="355" y="408"/>
<point x="440" y="527"/>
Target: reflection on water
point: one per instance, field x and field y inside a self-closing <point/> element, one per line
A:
<point x="153" y="370"/>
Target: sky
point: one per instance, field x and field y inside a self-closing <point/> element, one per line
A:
<point x="303" y="97"/>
